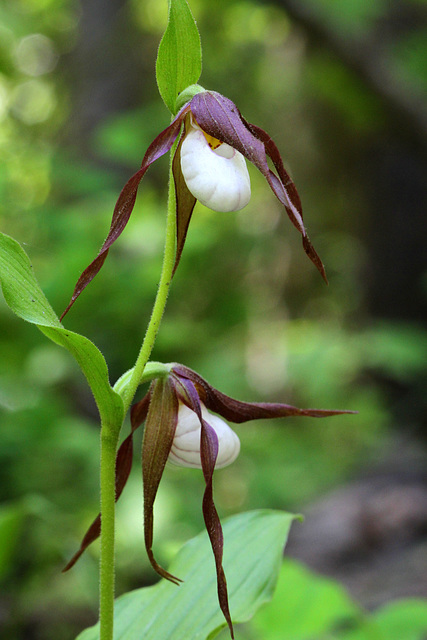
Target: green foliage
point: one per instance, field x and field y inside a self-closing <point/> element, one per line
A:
<point x="12" y="518"/>
<point x="179" y="59"/>
<point x="307" y="606"/>
<point x="253" y="548"/>
<point x="24" y="296"/>
<point x="257" y="325"/>
<point x="356" y="15"/>
<point x="401" y="620"/>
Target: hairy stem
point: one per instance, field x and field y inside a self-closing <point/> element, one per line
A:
<point x="109" y="440"/>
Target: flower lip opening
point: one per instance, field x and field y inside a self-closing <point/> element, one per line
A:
<point x="220" y="148"/>
<point x="214" y="143"/>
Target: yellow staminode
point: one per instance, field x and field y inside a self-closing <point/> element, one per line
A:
<point x="214" y="143"/>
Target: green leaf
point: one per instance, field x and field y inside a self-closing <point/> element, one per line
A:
<point x="305" y="606"/>
<point x="308" y="606"/>
<point x="24" y="296"/>
<point x="179" y="59"/>
<point x="253" y="547"/>
<point x="403" y="620"/>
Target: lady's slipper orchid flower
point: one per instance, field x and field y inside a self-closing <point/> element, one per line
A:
<point x="208" y="165"/>
<point x="177" y="406"/>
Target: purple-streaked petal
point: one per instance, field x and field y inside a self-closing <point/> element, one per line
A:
<point x="159" y="432"/>
<point x="208" y="452"/>
<point x="126" y="201"/>
<point x="237" y="411"/>
<point x="185" y="202"/>
<point x="287" y="188"/>
<point x="220" y="118"/>
<point x="123" y="468"/>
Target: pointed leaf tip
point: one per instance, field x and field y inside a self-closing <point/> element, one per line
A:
<point x="179" y="59"/>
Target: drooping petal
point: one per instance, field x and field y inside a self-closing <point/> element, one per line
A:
<point x="237" y="411"/>
<point x="287" y="193"/>
<point x="159" y="431"/>
<point x="185" y="202"/>
<point x="219" y="117"/>
<point x="194" y="391"/>
<point x="209" y="452"/>
<point x="218" y="178"/>
<point x="126" y="201"/>
<point x="185" y="451"/>
<point x="123" y="467"/>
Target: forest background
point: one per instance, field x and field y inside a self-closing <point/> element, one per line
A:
<point x="343" y="93"/>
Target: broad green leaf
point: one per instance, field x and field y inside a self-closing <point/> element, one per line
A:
<point x="403" y="620"/>
<point x="179" y="59"/>
<point x="305" y="606"/>
<point x="24" y="296"/>
<point x="253" y="547"/>
<point x="308" y="606"/>
<point x="399" y="620"/>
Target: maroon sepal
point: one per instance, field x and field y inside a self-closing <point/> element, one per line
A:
<point x="123" y="468"/>
<point x="160" y="427"/>
<point x="185" y="202"/>
<point x="238" y="411"/>
<point x="208" y="454"/>
<point x="219" y="117"/>
<point x="126" y="201"/>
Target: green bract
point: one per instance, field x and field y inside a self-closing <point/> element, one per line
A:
<point x="24" y="296"/>
<point x="179" y="59"/>
<point x="187" y="95"/>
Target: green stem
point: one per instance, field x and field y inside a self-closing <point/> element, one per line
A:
<point x="109" y="441"/>
<point x="110" y="433"/>
<point x="162" y="295"/>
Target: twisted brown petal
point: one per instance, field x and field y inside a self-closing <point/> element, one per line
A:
<point x="126" y="201"/>
<point x="219" y="117"/>
<point x="208" y="453"/>
<point x="237" y="411"/>
<point x="159" y="432"/>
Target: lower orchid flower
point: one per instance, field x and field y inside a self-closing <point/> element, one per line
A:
<point x="208" y="165"/>
<point x="182" y="425"/>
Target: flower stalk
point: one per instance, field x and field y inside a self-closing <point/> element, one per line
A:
<point x="109" y="441"/>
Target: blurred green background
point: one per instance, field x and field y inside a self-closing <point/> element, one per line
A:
<point x="341" y="88"/>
